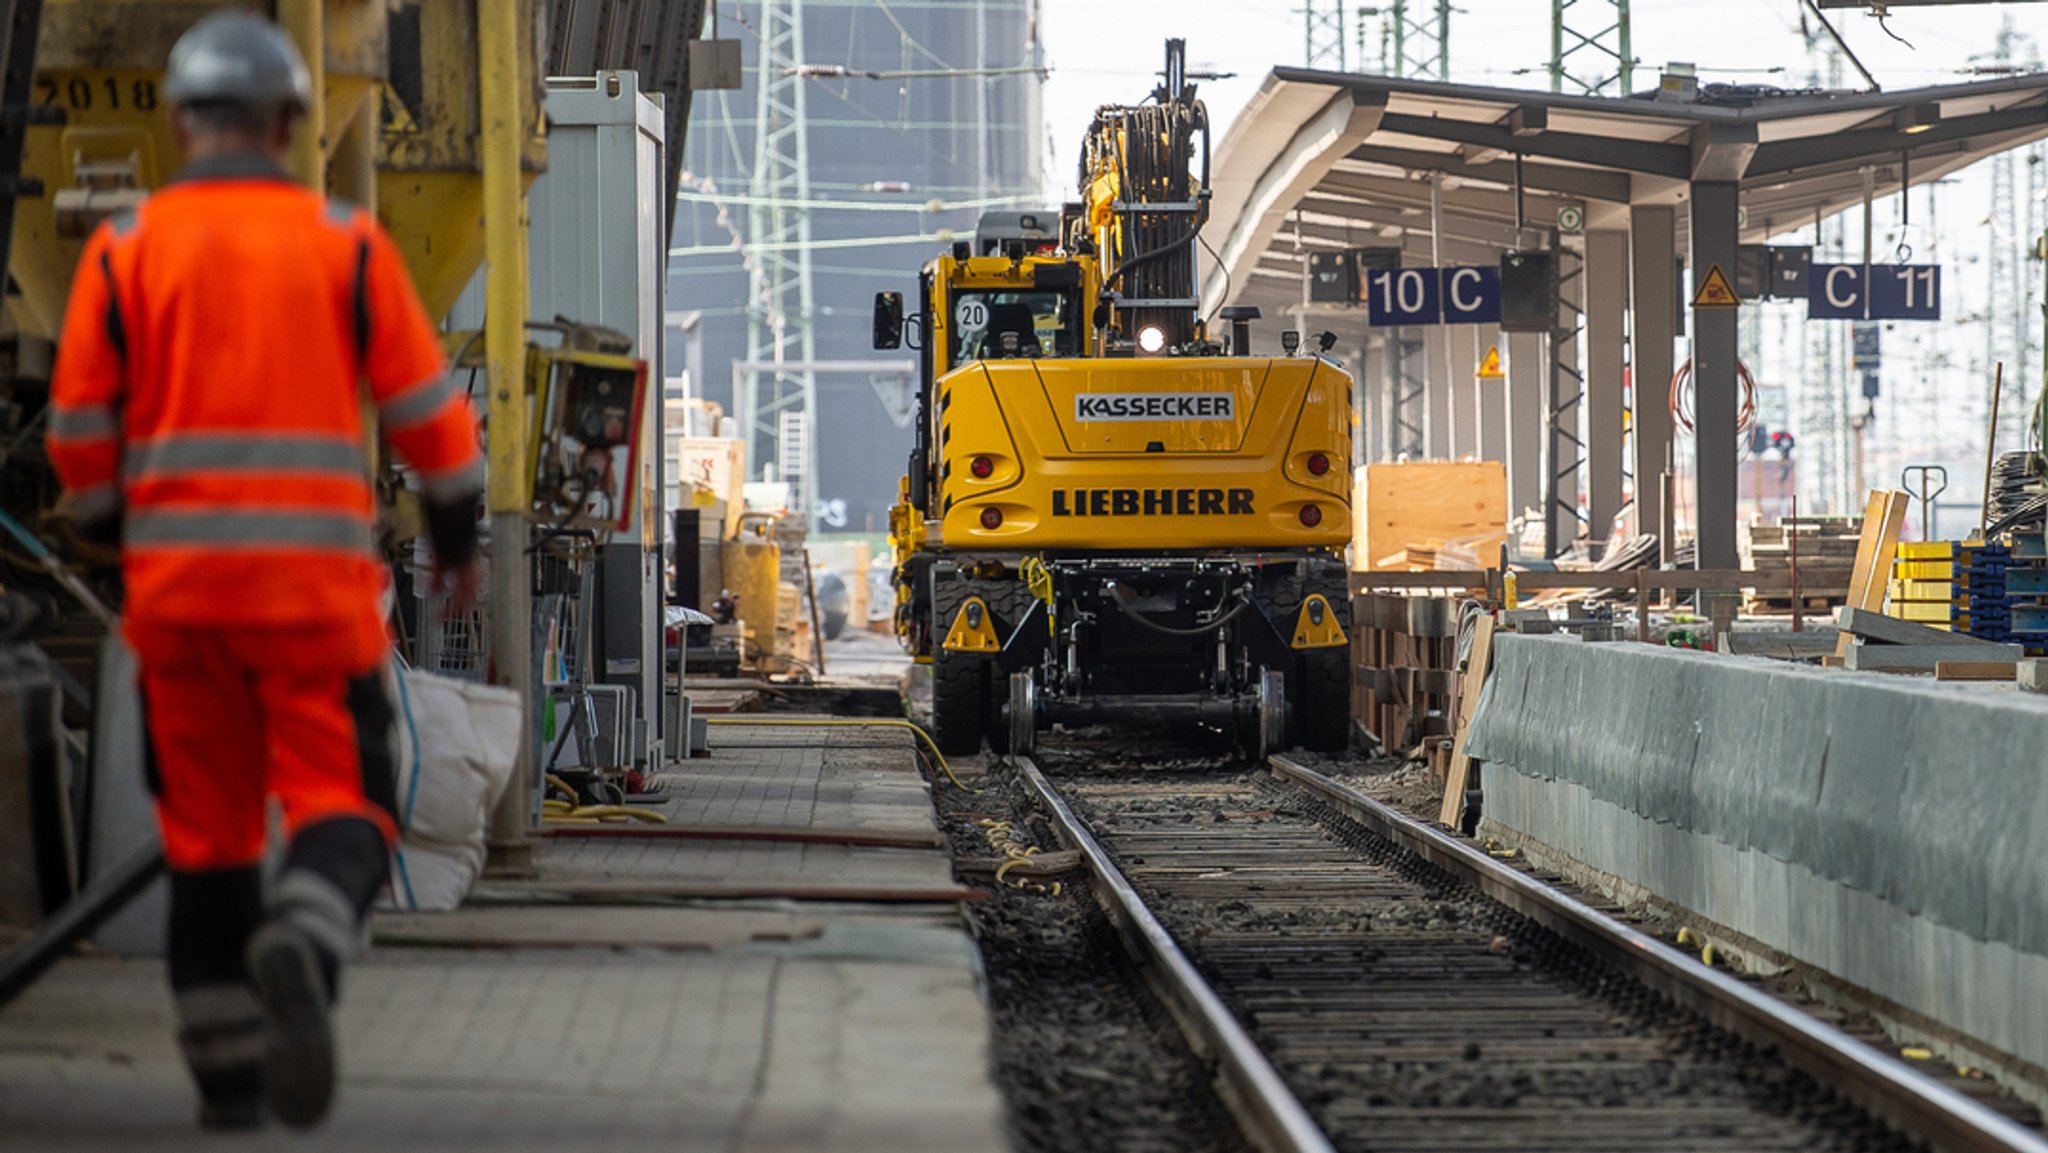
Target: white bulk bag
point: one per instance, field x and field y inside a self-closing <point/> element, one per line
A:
<point x="457" y="743"/>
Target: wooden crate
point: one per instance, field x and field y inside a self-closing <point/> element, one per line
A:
<point x="1462" y="503"/>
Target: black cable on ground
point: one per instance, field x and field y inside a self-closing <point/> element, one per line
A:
<point x="105" y="896"/>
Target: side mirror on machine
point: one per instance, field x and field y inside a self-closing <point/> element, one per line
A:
<point x="888" y="320"/>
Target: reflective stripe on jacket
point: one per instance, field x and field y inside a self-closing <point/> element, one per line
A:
<point x="207" y="391"/>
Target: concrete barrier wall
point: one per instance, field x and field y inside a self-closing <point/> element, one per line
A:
<point x="1891" y="832"/>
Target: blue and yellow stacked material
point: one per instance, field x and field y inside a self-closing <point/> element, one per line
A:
<point x="1992" y="591"/>
<point x="1922" y="586"/>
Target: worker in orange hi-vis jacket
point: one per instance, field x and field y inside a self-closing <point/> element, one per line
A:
<point x="206" y="413"/>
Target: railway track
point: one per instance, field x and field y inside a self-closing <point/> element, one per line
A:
<point x="1362" y="981"/>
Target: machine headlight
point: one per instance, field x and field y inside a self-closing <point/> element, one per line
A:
<point x="1151" y="339"/>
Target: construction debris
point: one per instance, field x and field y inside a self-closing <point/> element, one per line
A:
<point x="1826" y="548"/>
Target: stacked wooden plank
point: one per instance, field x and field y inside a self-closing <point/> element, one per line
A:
<point x="1429" y="556"/>
<point x="1827" y="557"/>
<point x="1424" y="507"/>
<point x="1922" y="587"/>
<point x="1472" y="680"/>
<point x="1990" y="591"/>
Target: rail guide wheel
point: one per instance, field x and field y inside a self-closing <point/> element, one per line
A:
<point x="1272" y="719"/>
<point x="1021" y="714"/>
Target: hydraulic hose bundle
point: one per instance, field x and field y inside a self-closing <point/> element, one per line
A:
<point x="2018" y="501"/>
<point x="1140" y="156"/>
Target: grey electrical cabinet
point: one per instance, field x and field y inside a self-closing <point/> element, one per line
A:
<point x="596" y="254"/>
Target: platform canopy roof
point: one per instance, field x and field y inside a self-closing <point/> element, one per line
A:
<point x="1324" y="160"/>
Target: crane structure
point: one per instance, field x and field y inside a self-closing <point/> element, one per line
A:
<point x="2012" y="301"/>
<point x="778" y="392"/>
<point x="1323" y="40"/>
<point x="1419" y="39"/>
<point x="1590" y="52"/>
<point x="1415" y="41"/>
<point x="1824" y="401"/>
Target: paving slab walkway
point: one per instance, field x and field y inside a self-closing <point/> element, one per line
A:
<point x="597" y="1006"/>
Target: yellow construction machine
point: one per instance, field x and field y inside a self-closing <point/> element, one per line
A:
<point x="1108" y="515"/>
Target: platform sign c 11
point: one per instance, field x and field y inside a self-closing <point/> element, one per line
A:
<point x="1905" y="292"/>
<point x="1894" y="292"/>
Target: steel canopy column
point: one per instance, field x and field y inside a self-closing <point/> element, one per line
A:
<point x="508" y="500"/>
<point x="1567" y="389"/>
<point x="1653" y="327"/>
<point x="1406" y="389"/>
<point x="1464" y="394"/>
<point x="1493" y="401"/>
<point x="1437" y="388"/>
<point x="1443" y="377"/>
<point x="1365" y="397"/>
<point x="1526" y="420"/>
<point x="1606" y="308"/>
<point x="1714" y="232"/>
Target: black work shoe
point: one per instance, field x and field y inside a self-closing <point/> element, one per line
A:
<point x="299" y="1065"/>
<point x="227" y="1114"/>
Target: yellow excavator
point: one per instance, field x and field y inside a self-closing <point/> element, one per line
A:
<point x="1111" y="514"/>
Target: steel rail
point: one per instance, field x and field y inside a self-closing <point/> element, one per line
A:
<point x="1873" y="1080"/>
<point x="1273" y="1119"/>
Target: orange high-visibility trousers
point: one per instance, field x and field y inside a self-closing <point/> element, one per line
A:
<point x="238" y="714"/>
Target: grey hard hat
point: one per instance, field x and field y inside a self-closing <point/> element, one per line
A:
<point x="237" y="57"/>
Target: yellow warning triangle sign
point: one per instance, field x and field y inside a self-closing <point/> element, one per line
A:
<point x="1715" y="291"/>
<point x="1489" y="366"/>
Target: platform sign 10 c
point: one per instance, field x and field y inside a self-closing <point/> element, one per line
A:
<point x="1403" y="297"/>
<point x="1893" y="292"/>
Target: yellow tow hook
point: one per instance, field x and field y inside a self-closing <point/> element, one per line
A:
<point x="1316" y="627"/>
<point x="973" y="630"/>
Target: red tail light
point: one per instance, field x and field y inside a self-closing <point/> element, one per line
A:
<point x="1311" y="515"/>
<point x="1318" y="464"/>
<point x="991" y="518"/>
<point x="981" y="467"/>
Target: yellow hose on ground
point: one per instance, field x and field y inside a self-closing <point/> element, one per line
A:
<point x="563" y="812"/>
<point x="1001" y="836"/>
<point x="852" y="723"/>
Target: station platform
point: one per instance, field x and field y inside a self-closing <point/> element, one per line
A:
<point x="782" y="966"/>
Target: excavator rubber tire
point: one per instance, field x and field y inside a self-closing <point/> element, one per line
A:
<point x="960" y="692"/>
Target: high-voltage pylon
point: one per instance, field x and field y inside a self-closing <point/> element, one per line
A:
<point x="1323" y="40"/>
<point x="2011" y="301"/>
<point x="780" y="313"/>
<point x="1415" y="43"/>
<point x="1420" y="45"/>
<point x="1825" y="403"/>
<point x="1589" y="48"/>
